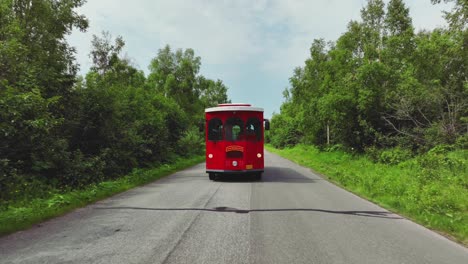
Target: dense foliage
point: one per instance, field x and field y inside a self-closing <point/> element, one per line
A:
<point x="381" y="85"/>
<point x="60" y="131"/>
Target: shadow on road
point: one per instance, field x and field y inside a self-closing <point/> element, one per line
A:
<point x="271" y="174"/>
<point x="378" y="214"/>
<point x="281" y="174"/>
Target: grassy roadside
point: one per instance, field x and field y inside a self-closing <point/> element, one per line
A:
<point x="429" y="189"/>
<point x="24" y="215"/>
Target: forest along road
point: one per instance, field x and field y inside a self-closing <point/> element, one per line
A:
<point x="291" y="216"/>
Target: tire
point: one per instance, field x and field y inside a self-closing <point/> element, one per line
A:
<point x="213" y="176"/>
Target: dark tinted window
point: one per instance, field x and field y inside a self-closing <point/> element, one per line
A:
<point x="253" y="129"/>
<point x="234" y="129"/>
<point x="215" y="129"/>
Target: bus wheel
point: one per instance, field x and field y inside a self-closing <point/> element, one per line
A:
<point x="212" y="176"/>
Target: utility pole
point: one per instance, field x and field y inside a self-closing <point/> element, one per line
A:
<point x="328" y="134"/>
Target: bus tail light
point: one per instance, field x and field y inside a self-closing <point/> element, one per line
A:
<point x="259" y="155"/>
<point x="210" y="156"/>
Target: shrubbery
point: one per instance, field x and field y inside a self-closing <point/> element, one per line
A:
<point x="62" y="132"/>
<point x="391" y="156"/>
<point x="191" y="143"/>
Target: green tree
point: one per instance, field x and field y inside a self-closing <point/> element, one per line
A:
<point x="373" y="18"/>
<point x="58" y="130"/>
<point x="380" y="84"/>
<point x="105" y="54"/>
<point x="458" y="17"/>
<point x="37" y="74"/>
<point x="34" y="47"/>
<point x="399" y="42"/>
<point x="211" y="93"/>
<point x="175" y="75"/>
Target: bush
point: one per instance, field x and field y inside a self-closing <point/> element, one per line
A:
<point x="8" y="179"/>
<point x="284" y="132"/>
<point x="441" y="165"/>
<point x="394" y="156"/>
<point x="82" y="171"/>
<point x="336" y="147"/>
<point x="441" y="149"/>
<point x="191" y="143"/>
<point x="462" y="141"/>
<point x="391" y="156"/>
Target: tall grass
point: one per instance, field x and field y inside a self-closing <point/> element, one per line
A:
<point x="431" y="189"/>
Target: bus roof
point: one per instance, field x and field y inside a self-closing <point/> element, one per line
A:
<point x="233" y="107"/>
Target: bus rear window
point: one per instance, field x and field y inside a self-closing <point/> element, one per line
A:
<point x="253" y="129"/>
<point x="234" y="129"/>
<point x="215" y="129"/>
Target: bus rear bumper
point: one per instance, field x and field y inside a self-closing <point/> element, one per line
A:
<point x="235" y="171"/>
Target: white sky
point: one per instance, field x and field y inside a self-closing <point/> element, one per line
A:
<point x="253" y="46"/>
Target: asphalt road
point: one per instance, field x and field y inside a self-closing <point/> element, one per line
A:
<point x="291" y="216"/>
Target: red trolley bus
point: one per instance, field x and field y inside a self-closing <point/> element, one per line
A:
<point x="234" y="140"/>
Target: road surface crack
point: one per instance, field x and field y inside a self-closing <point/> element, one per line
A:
<point x="182" y="236"/>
